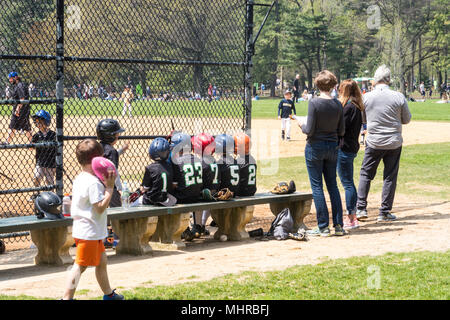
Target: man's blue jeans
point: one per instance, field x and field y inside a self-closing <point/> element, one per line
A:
<point x="321" y="160"/>
<point x="345" y="171"/>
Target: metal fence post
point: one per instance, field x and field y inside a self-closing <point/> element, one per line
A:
<point x="59" y="95"/>
<point x="249" y="51"/>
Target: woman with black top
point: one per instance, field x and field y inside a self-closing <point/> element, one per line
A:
<point x="324" y="127"/>
<point x="351" y="98"/>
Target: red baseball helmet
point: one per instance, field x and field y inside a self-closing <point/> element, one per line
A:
<point x="202" y="142"/>
<point x="241" y="143"/>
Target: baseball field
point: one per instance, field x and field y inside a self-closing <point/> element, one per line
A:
<point x="406" y="259"/>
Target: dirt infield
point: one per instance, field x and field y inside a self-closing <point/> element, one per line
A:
<point x="268" y="133"/>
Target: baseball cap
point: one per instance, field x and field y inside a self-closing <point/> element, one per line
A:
<point x="12" y="74"/>
<point x="169" y="202"/>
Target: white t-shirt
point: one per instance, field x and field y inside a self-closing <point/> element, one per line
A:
<point x="87" y="224"/>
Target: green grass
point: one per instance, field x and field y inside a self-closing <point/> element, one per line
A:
<point x="429" y="110"/>
<point x="423" y="171"/>
<point x="98" y="107"/>
<point x="399" y="276"/>
<point x="420" y="275"/>
<point x="266" y="108"/>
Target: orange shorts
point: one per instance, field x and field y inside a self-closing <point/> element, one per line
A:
<point x="89" y="252"/>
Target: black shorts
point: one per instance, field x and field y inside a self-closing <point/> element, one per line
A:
<point x="20" y="123"/>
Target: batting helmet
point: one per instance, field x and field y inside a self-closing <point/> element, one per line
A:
<point x="47" y="205"/>
<point x="180" y="139"/>
<point x="201" y="141"/>
<point x="44" y="115"/>
<point x="241" y="143"/>
<point x="159" y="149"/>
<point x="12" y="74"/>
<point x="107" y="130"/>
<point x="224" y="143"/>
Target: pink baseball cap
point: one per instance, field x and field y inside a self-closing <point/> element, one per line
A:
<point x="101" y="166"/>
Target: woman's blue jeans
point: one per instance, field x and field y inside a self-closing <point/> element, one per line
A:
<point x="321" y="160"/>
<point x="345" y="171"/>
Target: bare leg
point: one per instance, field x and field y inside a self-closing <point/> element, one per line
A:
<point x="72" y="281"/>
<point x="11" y="134"/>
<point x="101" y="274"/>
<point x="29" y="136"/>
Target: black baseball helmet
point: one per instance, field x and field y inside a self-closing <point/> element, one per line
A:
<point x="47" y="204"/>
<point x="107" y="129"/>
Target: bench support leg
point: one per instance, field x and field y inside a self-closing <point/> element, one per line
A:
<point x="169" y="230"/>
<point x="134" y="235"/>
<point x="53" y="246"/>
<point x="299" y="210"/>
<point x="231" y="222"/>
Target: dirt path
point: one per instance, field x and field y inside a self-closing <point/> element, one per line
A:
<point x="420" y="226"/>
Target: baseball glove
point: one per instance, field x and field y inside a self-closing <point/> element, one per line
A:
<point x="284" y="188"/>
<point x="300" y="235"/>
<point x="2" y="247"/>
<point x="135" y="195"/>
<point x="223" y="195"/>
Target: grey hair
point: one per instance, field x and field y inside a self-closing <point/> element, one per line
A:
<point x="383" y="74"/>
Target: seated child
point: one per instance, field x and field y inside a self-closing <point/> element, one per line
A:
<point x="187" y="170"/>
<point x="247" y="165"/>
<point x="228" y="167"/>
<point x="158" y="176"/>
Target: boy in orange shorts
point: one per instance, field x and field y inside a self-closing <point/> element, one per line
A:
<point x="90" y="198"/>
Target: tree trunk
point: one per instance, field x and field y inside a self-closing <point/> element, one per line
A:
<point x="420" y="59"/>
<point x="198" y="80"/>
<point x="276" y="48"/>
<point x="413" y="61"/>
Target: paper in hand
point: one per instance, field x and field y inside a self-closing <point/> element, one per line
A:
<point x="301" y="120"/>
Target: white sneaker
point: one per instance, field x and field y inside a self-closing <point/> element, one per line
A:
<point x="361" y="214"/>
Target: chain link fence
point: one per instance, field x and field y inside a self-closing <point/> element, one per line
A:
<point x="152" y="65"/>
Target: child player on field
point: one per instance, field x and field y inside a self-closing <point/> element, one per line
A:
<point x="90" y="198"/>
<point x="285" y="109"/>
<point x="45" y="156"/>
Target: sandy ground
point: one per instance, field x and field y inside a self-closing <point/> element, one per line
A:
<point x="422" y="225"/>
<point x="267" y="133"/>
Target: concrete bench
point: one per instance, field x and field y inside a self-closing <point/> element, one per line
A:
<point x="143" y="227"/>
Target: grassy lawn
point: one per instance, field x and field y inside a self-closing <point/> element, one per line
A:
<point x="422" y="171"/>
<point x="399" y="276"/>
<point x="261" y="109"/>
<point x="267" y="108"/>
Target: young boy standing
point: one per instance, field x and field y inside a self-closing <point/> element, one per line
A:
<point x="285" y="109"/>
<point x="108" y="131"/>
<point x="45" y="156"/>
<point x="90" y="198"/>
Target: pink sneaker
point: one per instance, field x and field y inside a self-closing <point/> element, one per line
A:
<point x="354" y="221"/>
<point x="348" y="222"/>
